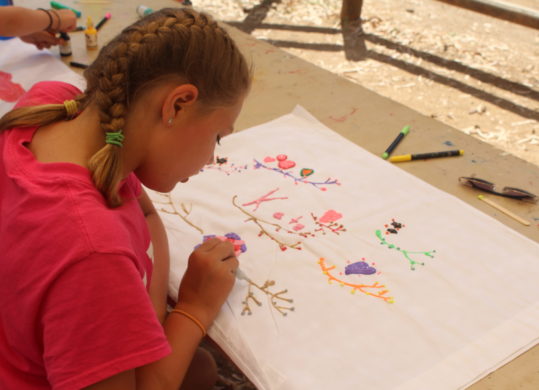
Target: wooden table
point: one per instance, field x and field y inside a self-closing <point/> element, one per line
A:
<point x="282" y="81"/>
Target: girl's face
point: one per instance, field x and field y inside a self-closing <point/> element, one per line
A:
<point x="179" y="151"/>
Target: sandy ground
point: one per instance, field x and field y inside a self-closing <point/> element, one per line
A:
<point x="473" y="72"/>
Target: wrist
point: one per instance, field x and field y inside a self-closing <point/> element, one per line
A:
<point x="191" y="318"/>
<point x="201" y="315"/>
<point x="47" y="18"/>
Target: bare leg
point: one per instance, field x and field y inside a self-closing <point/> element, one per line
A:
<point x="202" y="373"/>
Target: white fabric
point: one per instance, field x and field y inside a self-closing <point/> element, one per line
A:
<point x="27" y="65"/>
<point x="466" y="311"/>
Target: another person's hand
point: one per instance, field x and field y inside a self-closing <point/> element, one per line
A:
<point x="208" y="280"/>
<point x="68" y="20"/>
<point x="41" y="39"/>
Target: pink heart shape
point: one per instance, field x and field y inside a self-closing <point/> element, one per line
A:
<point x="330" y="216"/>
<point x="269" y="159"/>
<point x="278" y="215"/>
<point x="282" y="157"/>
<point x="287" y="164"/>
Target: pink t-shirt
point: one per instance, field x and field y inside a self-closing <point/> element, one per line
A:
<point x="74" y="309"/>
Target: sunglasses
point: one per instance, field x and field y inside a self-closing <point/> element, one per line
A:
<point x="508" y="192"/>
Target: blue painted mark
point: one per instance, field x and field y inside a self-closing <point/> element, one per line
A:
<point x="449" y="143"/>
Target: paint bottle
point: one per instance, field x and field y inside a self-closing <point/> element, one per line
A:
<point x="91" y="35"/>
<point x="65" y="48"/>
<point x="143" y="10"/>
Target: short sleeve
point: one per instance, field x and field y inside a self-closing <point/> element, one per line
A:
<point x="98" y="321"/>
<point x="48" y="92"/>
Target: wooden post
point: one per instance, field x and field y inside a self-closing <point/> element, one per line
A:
<point x="351" y="10"/>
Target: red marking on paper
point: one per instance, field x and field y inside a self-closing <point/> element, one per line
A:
<point x="9" y="91"/>
<point x="330" y="216"/>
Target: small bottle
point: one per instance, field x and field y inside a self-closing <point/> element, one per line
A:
<point x="91" y="35"/>
<point x="65" y="47"/>
<point x="142" y="10"/>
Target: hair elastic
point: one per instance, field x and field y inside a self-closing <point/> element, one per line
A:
<point x="192" y="318"/>
<point x="72" y="108"/>
<point x="115" y="138"/>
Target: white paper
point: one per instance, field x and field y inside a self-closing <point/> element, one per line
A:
<point x="462" y="294"/>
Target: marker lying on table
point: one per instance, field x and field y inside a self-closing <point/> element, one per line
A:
<point x="77" y="65"/>
<point x="102" y="21"/>
<point x="424" y="156"/>
<point x="504" y="210"/>
<point x="57" y="5"/>
<point x="397" y="140"/>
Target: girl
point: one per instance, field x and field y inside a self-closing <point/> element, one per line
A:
<point x="76" y="285"/>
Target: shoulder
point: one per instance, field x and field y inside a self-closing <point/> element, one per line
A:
<point x="48" y="92"/>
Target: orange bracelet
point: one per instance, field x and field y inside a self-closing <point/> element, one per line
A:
<point x="192" y="318"/>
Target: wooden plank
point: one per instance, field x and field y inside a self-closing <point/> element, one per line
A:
<point x="501" y="10"/>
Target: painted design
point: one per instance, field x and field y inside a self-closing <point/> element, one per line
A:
<point x="359" y="268"/>
<point x="330" y="216"/>
<point x="264" y="232"/>
<point x="276" y="299"/>
<point x="306" y="172"/>
<point x="9" y="91"/>
<point x="396" y="226"/>
<point x="264" y="198"/>
<point x="222" y="165"/>
<point x="321" y="185"/>
<point x="264" y="225"/>
<point x="393" y="227"/>
<point x="235" y="239"/>
<point x="171" y="209"/>
<point x="375" y="289"/>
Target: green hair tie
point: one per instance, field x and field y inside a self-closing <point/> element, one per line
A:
<point x="115" y="138"/>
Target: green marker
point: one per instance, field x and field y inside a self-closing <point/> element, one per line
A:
<point x="57" y="5"/>
<point x="394" y="144"/>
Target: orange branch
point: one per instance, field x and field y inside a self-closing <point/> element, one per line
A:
<point x="361" y="287"/>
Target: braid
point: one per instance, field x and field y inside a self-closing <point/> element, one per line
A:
<point x="178" y="43"/>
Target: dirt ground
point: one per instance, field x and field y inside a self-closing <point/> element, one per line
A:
<point x="473" y="72"/>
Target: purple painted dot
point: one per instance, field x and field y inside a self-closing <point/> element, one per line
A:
<point x="359" y="268"/>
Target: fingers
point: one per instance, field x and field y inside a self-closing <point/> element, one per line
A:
<point x="220" y="249"/>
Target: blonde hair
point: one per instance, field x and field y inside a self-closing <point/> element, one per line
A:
<point x="171" y="43"/>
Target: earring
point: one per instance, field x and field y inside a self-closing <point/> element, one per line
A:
<point x="169" y="122"/>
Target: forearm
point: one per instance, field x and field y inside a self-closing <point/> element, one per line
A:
<point x="184" y="337"/>
<point x="19" y="21"/>
<point x="161" y="259"/>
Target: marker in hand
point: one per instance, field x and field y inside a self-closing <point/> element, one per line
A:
<point x="239" y="248"/>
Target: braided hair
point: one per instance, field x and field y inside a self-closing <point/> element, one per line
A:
<point x="173" y="43"/>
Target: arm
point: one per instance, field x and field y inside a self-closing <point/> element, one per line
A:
<point x="203" y="290"/>
<point x="19" y="21"/>
<point x="161" y="258"/>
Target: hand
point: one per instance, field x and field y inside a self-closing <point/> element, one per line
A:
<point x="67" y="22"/>
<point x="42" y="39"/>
<point x="208" y="280"/>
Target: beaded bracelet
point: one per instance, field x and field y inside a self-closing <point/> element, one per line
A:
<point x="192" y="318"/>
<point x="50" y="18"/>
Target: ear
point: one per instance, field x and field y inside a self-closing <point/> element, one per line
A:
<point x="177" y="100"/>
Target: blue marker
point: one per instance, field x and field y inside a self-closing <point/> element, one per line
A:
<point x="394" y="144"/>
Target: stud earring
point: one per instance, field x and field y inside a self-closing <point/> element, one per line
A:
<point x="169" y="122"/>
